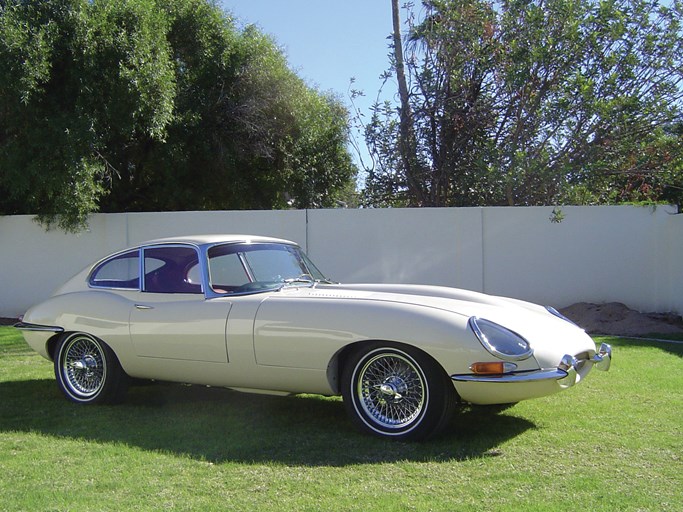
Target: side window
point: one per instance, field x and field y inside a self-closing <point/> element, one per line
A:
<point x="123" y="272"/>
<point x="169" y="270"/>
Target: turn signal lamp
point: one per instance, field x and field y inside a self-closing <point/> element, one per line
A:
<point x="496" y="368"/>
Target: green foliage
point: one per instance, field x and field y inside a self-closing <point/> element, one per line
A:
<point x="138" y="105"/>
<point x="527" y="102"/>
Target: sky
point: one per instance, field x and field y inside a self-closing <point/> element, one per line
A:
<point x="327" y="42"/>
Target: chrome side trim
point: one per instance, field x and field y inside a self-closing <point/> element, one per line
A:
<point x="24" y="326"/>
<point x="529" y="376"/>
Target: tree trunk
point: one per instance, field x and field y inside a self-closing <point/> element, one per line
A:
<point x="407" y="147"/>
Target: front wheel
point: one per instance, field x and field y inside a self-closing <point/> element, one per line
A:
<point x="397" y="391"/>
<point x="88" y="371"/>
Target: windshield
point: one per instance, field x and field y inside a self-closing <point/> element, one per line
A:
<point x="248" y="268"/>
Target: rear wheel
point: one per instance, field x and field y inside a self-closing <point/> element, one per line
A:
<point x="88" y="371"/>
<point x="397" y="391"/>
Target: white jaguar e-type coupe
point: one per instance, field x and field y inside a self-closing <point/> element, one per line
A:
<point x="254" y="314"/>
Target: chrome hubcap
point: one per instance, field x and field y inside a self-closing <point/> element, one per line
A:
<point x="391" y="390"/>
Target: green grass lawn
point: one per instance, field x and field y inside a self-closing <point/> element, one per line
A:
<point x="611" y="443"/>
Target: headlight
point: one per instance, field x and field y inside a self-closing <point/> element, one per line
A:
<point x="500" y="341"/>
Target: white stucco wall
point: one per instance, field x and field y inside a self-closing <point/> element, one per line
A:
<point x="600" y="254"/>
<point x="596" y="254"/>
<point x="427" y="246"/>
<point x="669" y="290"/>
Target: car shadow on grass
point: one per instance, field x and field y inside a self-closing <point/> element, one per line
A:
<point x="219" y="426"/>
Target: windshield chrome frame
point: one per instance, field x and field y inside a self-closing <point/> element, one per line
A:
<point x="209" y="292"/>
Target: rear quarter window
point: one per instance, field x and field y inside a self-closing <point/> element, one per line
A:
<point x="122" y="271"/>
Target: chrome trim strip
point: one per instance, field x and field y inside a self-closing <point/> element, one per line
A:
<point x="24" y="326"/>
<point x="215" y="295"/>
<point x="530" y="376"/>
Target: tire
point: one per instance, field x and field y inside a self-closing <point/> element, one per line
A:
<point x="88" y="371"/>
<point x="396" y="391"/>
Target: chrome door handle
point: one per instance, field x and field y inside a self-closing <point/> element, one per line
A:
<point x="143" y="306"/>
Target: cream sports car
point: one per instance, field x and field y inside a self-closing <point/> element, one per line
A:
<point x="254" y="314"/>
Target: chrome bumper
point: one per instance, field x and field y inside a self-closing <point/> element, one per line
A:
<point x="566" y="373"/>
<point x="36" y="327"/>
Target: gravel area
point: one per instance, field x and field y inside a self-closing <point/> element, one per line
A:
<point x="619" y="320"/>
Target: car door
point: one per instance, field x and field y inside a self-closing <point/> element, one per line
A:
<point x="173" y="320"/>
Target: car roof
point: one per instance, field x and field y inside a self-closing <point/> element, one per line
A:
<point x="214" y="239"/>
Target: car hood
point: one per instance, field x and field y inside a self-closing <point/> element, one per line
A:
<point x="464" y="302"/>
<point x="547" y="334"/>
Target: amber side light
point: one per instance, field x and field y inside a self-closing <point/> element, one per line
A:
<point x="496" y="368"/>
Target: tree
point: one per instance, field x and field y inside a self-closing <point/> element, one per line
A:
<point x="531" y="101"/>
<point x="407" y="144"/>
<point x="74" y="77"/>
<point x="132" y="105"/>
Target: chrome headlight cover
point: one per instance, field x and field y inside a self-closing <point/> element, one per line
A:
<point x="500" y="341"/>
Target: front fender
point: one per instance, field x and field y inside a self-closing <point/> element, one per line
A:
<point x="303" y="332"/>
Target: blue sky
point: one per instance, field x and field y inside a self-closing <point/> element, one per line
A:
<point x="327" y="41"/>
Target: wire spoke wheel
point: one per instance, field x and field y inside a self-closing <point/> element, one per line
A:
<point x="88" y="371"/>
<point x="396" y="391"/>
<point x="391" y="389"/>
<point x="83" y="365"/>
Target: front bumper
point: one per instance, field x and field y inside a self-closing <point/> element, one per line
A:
<point x="566" y="374"/>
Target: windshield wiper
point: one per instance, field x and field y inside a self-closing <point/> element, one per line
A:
<point x="303" y="278"/>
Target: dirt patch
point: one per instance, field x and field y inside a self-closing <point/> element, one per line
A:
<point x="617" y="319"/>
